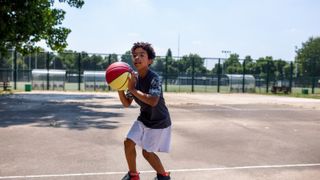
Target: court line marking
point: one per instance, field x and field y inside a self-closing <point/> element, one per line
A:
<point x="172" y="170"/>
<point x="247" y="110"/>
<point x="229" y="107"/>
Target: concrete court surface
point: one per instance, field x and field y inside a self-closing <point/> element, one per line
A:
<point x="79" y="136"/>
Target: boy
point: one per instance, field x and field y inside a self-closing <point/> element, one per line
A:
<point x="152" y="129"/>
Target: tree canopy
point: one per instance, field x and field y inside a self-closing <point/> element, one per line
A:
<point x="308" y="57"/>
<point x="24" y="23"/>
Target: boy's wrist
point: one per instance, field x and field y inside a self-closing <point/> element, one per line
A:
<point x="121" y="92"/>
<point x="133" y="91"/>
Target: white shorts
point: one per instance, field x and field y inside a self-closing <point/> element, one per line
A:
<point x="151" y="140"/>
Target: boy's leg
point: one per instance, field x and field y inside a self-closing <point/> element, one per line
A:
<point x="154" y="161"/>
<point x="130" y="151"/>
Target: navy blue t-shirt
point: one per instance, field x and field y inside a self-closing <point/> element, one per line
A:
<point x="156" y="117"/>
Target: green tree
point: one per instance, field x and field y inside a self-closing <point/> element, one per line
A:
<point x="55" y="62"/>
<point x="5" y="61"/>
<point x="126" y="57"/>
<point x="158" y="64"/>
<point x="249" y="65"/>
<point x="173" y="70"/>
<point x="188" y="61"/>
<point x="287" y="70"/>
<point x="24" y="23"/>
<point x="280" y="72"/>
<point x="68" y="59"/>
<point x="308" y="57"/>
<point x="232" y="64"/>
<point x="94" y="62"/>
<point x="265" y="66"/>
<point x="111" y="58"/>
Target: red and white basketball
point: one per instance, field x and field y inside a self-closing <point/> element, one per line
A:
<point x="117" y="75"/>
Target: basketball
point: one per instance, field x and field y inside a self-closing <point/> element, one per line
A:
<point x="117" y="75"/>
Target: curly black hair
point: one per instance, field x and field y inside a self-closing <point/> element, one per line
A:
<point x="146" y="46"/>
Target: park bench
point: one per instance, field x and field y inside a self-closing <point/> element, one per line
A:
<point x="281" y="87"/>
<point x="5" y="85"/>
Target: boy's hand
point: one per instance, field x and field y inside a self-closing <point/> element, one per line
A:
<point x="132" y="81"/>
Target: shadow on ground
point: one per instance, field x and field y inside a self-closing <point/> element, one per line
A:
<point x="58" y="110"/>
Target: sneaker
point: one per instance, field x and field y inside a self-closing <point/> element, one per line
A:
<point x="131" y="176"/>
<point x="162" y="177"/>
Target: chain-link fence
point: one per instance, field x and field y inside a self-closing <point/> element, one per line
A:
<point x="73" y="71"/>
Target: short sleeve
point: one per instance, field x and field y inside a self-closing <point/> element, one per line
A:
<point x="155" y="87"/>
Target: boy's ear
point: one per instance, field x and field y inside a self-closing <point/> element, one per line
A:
<point x="150" y="61"/>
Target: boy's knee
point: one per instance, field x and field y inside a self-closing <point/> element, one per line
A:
<point x="129" y="144"/>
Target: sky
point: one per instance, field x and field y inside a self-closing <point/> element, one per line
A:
<point x="258" y="28"/>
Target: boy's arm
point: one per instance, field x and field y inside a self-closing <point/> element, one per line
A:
<point x="126" y="102"/>
<point x="144" y="97"/>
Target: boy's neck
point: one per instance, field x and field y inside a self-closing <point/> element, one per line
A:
<point x="143" y="72"/>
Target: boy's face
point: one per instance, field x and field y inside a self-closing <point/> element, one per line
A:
<point x="140" y="59"/>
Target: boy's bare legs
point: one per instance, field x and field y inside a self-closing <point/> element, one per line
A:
<point x="130" y="151"/>
<point x="154" y="161"/>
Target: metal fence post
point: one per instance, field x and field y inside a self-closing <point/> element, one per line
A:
<point x="313" y="75"/>
<point x="243" y="75"/>
<point x="166" y="75"/>
<point x="109" y="62"/>
<point x="15" y="70"/>
<point x="268" y="74"/>
<point x="219" y="76"/>
<point x="48" y="68"/>
<point x="291" y="77"/>
<point x="192" y="78"/>
<point x="79" y="71"/>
